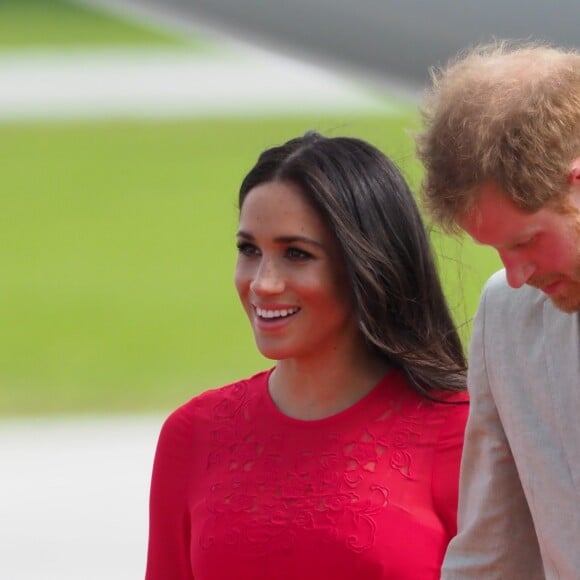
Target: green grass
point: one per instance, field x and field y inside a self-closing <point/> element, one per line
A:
<point x="117" y="253"/>
<point x="65" y="24"/>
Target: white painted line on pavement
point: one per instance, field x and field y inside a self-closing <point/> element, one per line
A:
<point x="101" y="84"/>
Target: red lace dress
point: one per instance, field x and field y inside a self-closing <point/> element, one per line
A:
<point x="241" y="491"/>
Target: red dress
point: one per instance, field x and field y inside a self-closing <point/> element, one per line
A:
<point x="241" y="491"/>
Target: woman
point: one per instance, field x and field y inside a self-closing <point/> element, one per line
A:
<point x="342" y="461"/>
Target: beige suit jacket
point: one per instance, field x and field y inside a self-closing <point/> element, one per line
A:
<point x="519" y="509"/>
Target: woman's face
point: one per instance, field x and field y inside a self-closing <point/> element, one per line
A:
<point x="290" y="276"/>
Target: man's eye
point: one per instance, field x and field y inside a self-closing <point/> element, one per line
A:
<point x="525" y="243"/>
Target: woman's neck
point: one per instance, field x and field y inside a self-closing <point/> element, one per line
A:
<point x="314" y="389"/>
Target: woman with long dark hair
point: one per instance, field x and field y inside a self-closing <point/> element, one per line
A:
<point x="342" y="460"/>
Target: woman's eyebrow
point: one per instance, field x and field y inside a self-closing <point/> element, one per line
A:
<point x="288" y="239"/>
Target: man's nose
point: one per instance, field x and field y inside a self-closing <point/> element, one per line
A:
<point x="518" y="270"/>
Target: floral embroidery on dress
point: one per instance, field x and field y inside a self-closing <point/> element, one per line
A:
<point x="333" y="484"/>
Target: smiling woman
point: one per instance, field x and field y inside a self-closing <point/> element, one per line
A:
<point x="304" y="470"/>
<point x="291" y="279"/>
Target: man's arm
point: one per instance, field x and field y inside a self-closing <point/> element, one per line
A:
<point x="496" y="537"/>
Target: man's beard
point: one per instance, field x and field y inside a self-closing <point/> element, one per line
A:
<point x="567" y="298"/>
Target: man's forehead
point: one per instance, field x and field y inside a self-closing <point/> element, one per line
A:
<point x="493" y="219"/>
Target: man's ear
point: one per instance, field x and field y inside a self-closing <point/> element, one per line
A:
<point x="574" y="173"/>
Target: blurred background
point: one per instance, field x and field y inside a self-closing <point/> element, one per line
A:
<point x="126" y="128"/>
<point x="123" y="146"/>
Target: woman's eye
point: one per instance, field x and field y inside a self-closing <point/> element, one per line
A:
<point x="247" y="249"/>
<point x="297" y="254"/>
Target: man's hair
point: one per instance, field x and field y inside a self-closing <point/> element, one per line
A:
<point x="506" y="113"/>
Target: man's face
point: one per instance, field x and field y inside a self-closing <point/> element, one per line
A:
<point x="541" y="249"/>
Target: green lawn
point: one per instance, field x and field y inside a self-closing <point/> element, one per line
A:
<point x="117" y="238"/>
<point x="117" y="251"/>
<point x="28" y="24"/>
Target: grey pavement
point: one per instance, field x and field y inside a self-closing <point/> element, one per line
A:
<point x="73" y="497"/>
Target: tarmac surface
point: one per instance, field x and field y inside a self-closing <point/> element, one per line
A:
<point x="399" y="39"/>
<point x="73" y="497"/>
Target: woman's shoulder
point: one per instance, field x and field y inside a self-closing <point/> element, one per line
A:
<point x="435" y="398"/>
<point x="453" y="409"/>
<point x="451" y="405"/>
<point x="447" y="409"/>
<point x="217" y="403"/>
<point x="191" y="426"/>
<point x="453" y="398"/>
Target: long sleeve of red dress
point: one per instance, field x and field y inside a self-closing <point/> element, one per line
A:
<point x="240" y="490"/>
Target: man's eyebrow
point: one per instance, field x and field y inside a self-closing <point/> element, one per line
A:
<point x="512" y="241"/>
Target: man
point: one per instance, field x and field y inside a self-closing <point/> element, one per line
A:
<point x="501" y="150"/>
